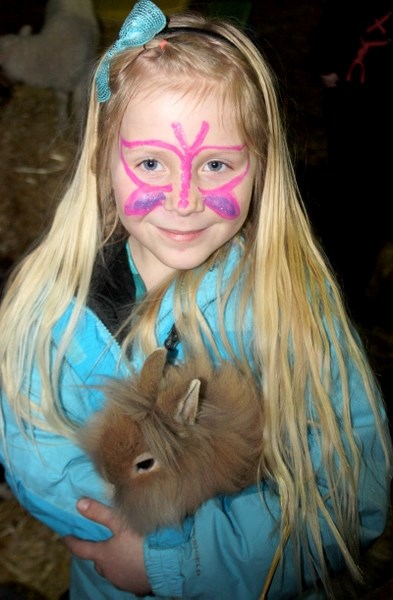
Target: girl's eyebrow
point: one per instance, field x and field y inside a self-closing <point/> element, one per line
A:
<point x="144" y="149"/>
<point x="182" y="154"/>
<point x="132" y="144"/>
<point x="148" y="142"/>
<point x="220" y="150"/>
<point x="188" y="148"/>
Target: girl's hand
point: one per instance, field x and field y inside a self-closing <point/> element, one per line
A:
<point x="120" y="558"/>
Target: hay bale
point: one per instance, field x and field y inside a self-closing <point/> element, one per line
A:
<point x="31" y="554"/>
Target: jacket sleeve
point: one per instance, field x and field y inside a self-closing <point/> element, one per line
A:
<point x="226" y="549"/>
<point x="48" y="473"/>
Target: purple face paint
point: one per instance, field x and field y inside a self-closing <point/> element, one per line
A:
<point x="227" y="208"/>
<point x="143" y="204"/>
<point x="147" y="197"/>
<point x="221" y="199"/>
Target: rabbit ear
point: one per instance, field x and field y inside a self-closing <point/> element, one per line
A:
<point x="187" y="407"/>
<point x="151" y="373"/>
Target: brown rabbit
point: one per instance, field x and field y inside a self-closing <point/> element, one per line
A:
<point x="174" y="436"/>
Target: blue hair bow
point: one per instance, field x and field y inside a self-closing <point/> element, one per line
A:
<point x="142" y="24"/>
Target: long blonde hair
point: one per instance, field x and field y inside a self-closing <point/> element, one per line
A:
<point x="299" y="319"/>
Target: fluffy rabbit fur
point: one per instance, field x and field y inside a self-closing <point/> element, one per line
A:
<point x="173" y="437"/>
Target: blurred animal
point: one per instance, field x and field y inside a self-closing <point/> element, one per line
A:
<point x="173" y="437"/>
<point x="60" y="56"/>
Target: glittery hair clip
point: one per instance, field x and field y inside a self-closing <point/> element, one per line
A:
<point x="142" y="24"/>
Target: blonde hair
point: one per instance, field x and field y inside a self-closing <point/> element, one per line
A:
<point x="299" y="319"/>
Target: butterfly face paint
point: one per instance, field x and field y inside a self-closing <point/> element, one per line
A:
<point x="146" y="197"/>
<point x="182" y="179"/>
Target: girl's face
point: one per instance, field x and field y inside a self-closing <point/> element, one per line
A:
<point x="182" y="178"/>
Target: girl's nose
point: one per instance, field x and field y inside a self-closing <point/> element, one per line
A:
<point x="184" y="202"/>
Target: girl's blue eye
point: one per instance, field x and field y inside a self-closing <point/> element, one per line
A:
<point x="215" y="166"/>
<point x="151" y="164"/>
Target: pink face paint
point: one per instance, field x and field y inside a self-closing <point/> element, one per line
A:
<point x="189" y="154"/>
<point x="147" y="197"/>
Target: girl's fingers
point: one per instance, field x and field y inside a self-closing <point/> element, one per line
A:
<point x="99" y="513"/>
<point x="81" y="548"/>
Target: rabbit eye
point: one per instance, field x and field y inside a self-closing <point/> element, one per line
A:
<point x="145" y="465"/>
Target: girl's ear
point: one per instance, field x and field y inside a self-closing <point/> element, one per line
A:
<point x="152" y="372"/>
<point x="187" y="407"/>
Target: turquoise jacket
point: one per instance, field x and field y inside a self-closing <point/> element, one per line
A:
<point x="223" y="551"/>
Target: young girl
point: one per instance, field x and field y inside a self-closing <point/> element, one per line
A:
<point x="182" y="227"/>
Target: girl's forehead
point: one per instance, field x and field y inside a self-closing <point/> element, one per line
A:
<point x="159" y="107"/>
<point x="196" y="95"/>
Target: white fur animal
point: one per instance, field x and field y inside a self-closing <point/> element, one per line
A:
<point x="174" y="437"/>
<point x="61" y="56"/>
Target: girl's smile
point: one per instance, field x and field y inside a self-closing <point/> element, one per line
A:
<point x="182" y="178"/>
<point x="181" y="236"/>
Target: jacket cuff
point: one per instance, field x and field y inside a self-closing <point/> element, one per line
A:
<point x="163" y="570"/>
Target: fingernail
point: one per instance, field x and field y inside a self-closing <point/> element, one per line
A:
<point x="83" y="504"/>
